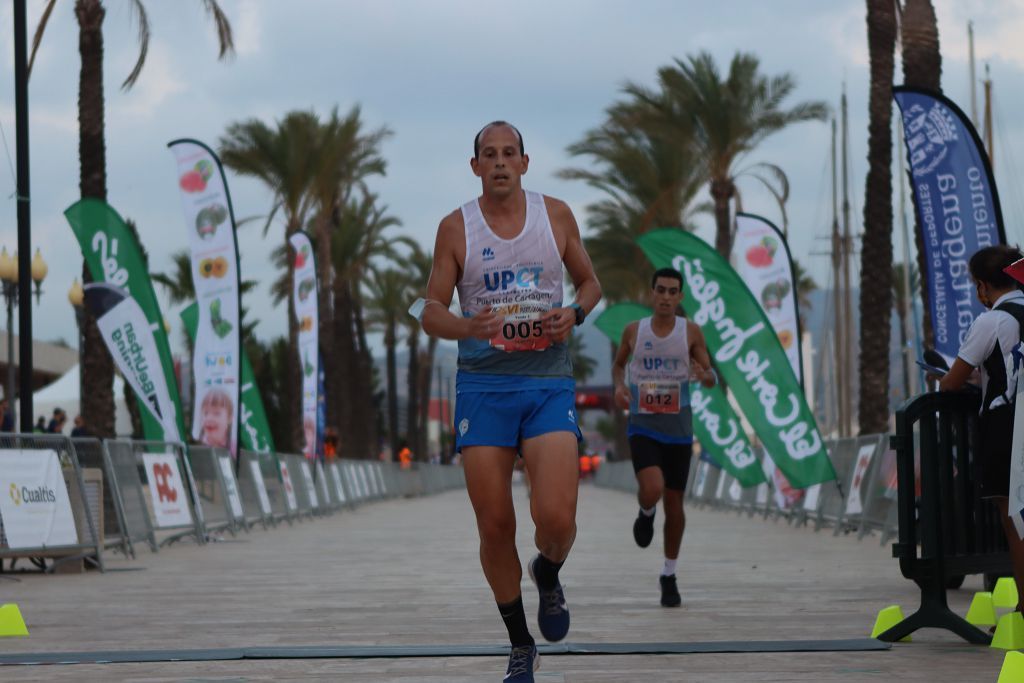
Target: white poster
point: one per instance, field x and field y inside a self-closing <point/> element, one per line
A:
<point x="307" y="478"/>
<point x="34" y="504"/>
<point x="364" y="487"/>
<point x="762" y="494"/>
<point x="321" y="482"/>
<point x="231" y="486"/>
<point x="210" y="224"/>
<point x="289" y="489"/>
<point x="379" y="470"/>
<point x="735" y="491"/>
<point x="702" y="478"/>
<point x="761" y="257"/>
<point x="170" y="502"/>
<point x="304" y="296"/>
<point x="261" y="487"/>
<point x="854" y="506"/>
<point x="339" y="487"/>
<point x="811" y="498"/>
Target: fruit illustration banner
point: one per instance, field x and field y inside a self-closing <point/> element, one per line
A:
<point x="763" y="261"/>
<point x="129" y="338"/>
<point x="304" y="297"/>
<point x="715" y="425"/>
<point x="254" y="433"/>
<point x="113" y="255"/>
<point x="210" y="224"/>
<point x="746" y="352"/>
<point x="957" y="207"/>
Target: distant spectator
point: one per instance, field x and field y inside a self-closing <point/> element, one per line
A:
<point x="40" y="427"/>
<point x="6" y="417"/>
<point x="330" y="443"/>
<point x="80" y="429"/>
<point x="56" y="425"/>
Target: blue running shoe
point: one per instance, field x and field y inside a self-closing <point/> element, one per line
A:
<point x="522" y="662"/>
<point x="552" y="614"/>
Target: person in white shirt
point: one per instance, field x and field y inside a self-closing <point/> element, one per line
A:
<point x="988" y="348"/>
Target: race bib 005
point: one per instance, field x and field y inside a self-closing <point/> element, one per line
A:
<point x="521" y="331"/>
<point x="658" y="397"/>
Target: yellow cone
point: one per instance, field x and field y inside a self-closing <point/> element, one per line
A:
<point x="1009" y="632"/>
<point x="1005" y="594"/>
<point x="982" y="611"/>
<point x="1013" y="668"/>
<point x="886" y="619"/>
<point x="11" y="623"/>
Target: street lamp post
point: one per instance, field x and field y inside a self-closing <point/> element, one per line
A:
<point x="76" y="296"/>
<point x="9" y="283"/>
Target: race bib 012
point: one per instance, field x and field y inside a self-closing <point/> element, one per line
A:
<point x="658" y="397"/>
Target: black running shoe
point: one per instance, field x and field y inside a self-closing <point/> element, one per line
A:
<point x="669" y="592"/>
<point x="643" y="529"/>
<point x="552" y="613"/>
<point x="522" y="662"/>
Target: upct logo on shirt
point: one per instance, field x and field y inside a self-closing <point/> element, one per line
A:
<point x="23" y="494"/>
<point x="525" y="278"/>
<point x="488" y="254"/>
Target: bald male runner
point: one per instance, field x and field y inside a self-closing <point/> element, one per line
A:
<point x="505" y="251"/>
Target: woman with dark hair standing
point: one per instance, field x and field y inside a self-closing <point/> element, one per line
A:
<point x="988" y="348"/>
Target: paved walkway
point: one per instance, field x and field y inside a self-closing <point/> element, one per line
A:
<point x="406" y="572"/>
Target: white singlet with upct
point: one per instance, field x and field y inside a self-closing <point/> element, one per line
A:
<point x="521" y="279"/>
<point x="659" y="384"/>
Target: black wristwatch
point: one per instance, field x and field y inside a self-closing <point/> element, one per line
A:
<point x="581" y="315"/>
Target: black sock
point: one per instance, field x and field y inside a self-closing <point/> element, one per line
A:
<point x="546" y="572"/>
<point x="514" y="616"/>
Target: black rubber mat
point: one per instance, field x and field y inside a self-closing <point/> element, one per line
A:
<point x="406" y="651"/>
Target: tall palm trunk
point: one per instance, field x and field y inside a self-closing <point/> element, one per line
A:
<point x="97" y="367"/>
<point x="366" y="409"/>
<point x="392" y="367"/>
<point x="876" y="253"/>
<point x="414" y="390"/>
<point x="619" y="422"/>
<point x="325" y="312"/>
<point x="722" y="191"/>
<point x="342" y="391"/>
<point x="922" y="68"/>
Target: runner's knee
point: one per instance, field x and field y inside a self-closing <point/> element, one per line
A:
<point x="498" y="528"/>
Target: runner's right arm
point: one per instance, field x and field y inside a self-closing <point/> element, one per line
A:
<point x="438" y="320"/>
<point x="621" y="391"/>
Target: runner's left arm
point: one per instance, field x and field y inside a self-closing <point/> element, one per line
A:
<point x="580" y="269"/>
<point x="699" y="355"/>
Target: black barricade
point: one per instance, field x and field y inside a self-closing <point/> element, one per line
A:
<point x="946" y="530"/>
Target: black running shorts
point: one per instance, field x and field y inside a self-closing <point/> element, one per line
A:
<point x="996" y="428"/>
<point x="672" y="458"/>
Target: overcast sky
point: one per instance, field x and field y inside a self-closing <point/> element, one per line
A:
<point x="434" y="73"/>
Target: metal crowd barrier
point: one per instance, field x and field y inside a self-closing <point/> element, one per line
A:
<point x="156" y="464"/>
<point x="85" y="500"/>
<point x="861" y="501"/>
<point x="946" y="530"/>
<point x="156" y="493"/>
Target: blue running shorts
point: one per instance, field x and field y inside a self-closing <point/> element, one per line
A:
<point x="505" y="418"/>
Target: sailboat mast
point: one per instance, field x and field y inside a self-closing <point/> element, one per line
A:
<point x="847" y="299"/>
<point x="837" y="331"/>
<point x="973" y="76"/>
<point x="988" y="120"/>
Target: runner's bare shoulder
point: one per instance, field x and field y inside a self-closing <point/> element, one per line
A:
<point x="451" y="237"/>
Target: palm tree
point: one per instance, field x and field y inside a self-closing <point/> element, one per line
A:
<point x="900" y="271"/>
<point x="805" y="286"/>
<point x="650" y="177"/>
<point x="730" y="118"/>
<point x="286" y="159"/>
<point x="388" y="295"/>
<point x="922" y="68"/>
<point x="97" y="366"/>
<point x="583" y="366"/>
<point x="360" y="239"/>
<point x="876" y="244"/>
<point x="421" y="361"/>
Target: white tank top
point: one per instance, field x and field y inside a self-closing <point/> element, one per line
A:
<point x="659" y="382"/>
<point x="520" y="278"/>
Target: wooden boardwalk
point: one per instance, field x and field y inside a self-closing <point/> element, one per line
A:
<point x="406" y="572"/>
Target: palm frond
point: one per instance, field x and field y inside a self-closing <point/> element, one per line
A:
<point x="37" y="37"/>
<point x="138" y="12"/>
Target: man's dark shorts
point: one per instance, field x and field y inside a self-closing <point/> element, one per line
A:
<point x="672" y="458"/>
<point x="996" y="427"/>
